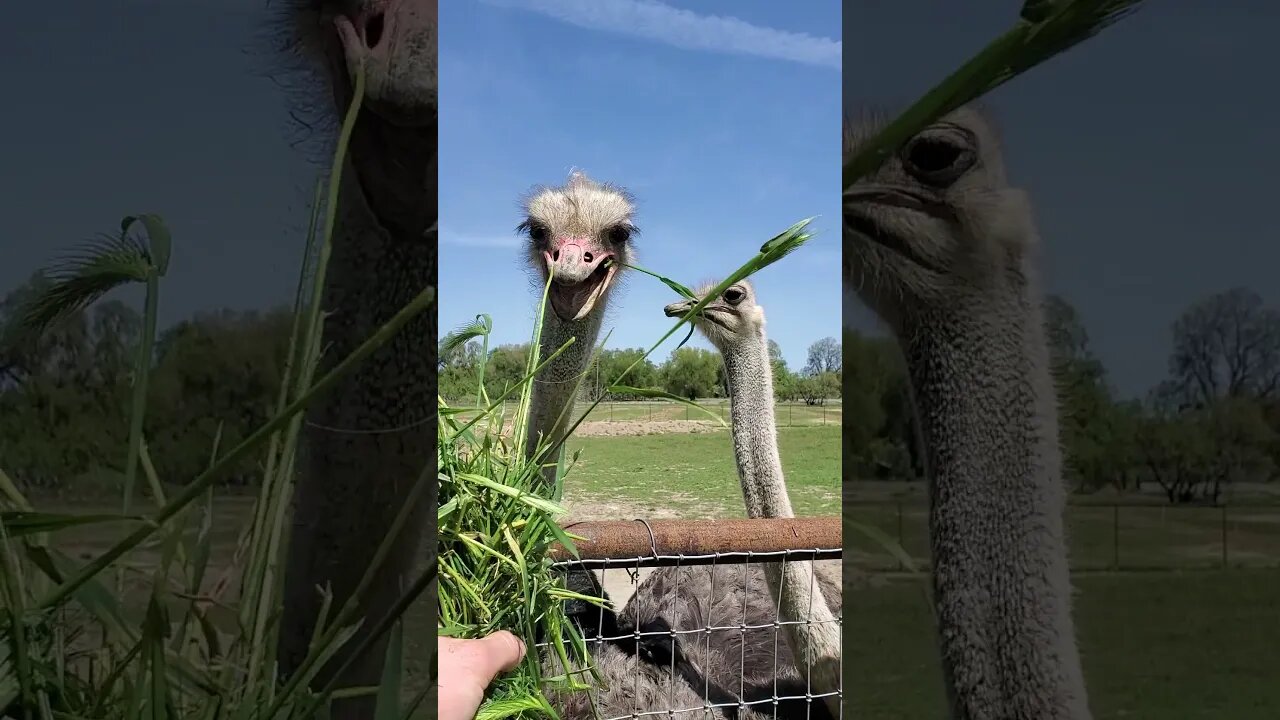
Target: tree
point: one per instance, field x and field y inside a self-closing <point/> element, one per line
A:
<point x="505" y="368"/>
<point x="1227" y="345"/>
<point x="217" y="376"/>
<point x="878" y="422"/>
<point x="64" y="390"/>
<point x="784" y="381"/>
<point x="466" y="355"/>
<point x="815" y="389"/>
<point x="824" y="356"/>
<point x="611" y="364"/>
<point x="1196" y="453"/>
<point x="1090" y="429"/>
<point x="691" y="373"/>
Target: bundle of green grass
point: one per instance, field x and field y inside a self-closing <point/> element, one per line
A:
<point x="497" y="526"/>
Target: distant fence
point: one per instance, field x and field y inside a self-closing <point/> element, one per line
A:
<point x="786" y="414"/>
<point x="1100" y="536"/>
<point x="789" y="414"/>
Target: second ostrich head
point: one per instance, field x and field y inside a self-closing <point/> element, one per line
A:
<point x="728" y="321"/>
<point x="937" y="224"/>
<point x="580" y="233"/>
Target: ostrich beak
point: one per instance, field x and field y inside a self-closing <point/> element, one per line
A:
<point x="678" y="309"/>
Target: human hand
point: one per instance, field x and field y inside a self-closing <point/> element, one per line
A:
<point x="468" y="666"/>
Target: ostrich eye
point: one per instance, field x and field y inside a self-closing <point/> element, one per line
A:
<point x="939" y="158"/>
<point x="618" y="234"/>
<point x="537" y="233"/>
<point x="734" y="295"/>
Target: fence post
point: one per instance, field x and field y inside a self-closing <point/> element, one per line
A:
<point x="790" y="420"/>
<point x="1224" y="536"/>
<point x="1115" y="537"/>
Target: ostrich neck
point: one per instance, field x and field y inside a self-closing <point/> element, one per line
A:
<point x="816" y="645"/>
<point x="554" y="389"/>
<point x="755" y="434"/>
<point x="368" y="439"/>
<point x="981" y="382"/>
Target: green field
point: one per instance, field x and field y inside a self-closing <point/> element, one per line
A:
<point x="1181" y="637"/>
<point x="1156" y="645"/>
<point x="695" y="475"/>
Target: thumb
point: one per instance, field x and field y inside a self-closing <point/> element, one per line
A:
<point x="498" y="652"/>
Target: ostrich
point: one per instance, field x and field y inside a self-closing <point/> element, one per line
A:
<point x="580" y="235"/>
<point x="938" y="245"/>
<point x="734" y="323"/>
<point x="368" y="439"/>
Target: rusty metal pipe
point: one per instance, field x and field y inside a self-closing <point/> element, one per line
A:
<point x="622" y="541"/>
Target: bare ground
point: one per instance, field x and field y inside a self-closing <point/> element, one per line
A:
<point x="620" y="428"/>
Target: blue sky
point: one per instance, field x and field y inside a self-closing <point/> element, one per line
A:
<point x="1150" y="152"/>
<point x="723" y="118"/>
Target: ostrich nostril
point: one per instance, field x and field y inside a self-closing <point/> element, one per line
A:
<point x="586" y="257"/>
<point x="373" y="30"/>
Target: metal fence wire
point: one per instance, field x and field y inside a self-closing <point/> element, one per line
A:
<point x="702" y="635"/>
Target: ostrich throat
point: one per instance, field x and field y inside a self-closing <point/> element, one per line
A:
<point x="755" y="441"/>
<point x="555" y="387"/>
<point x="985" y="401"/>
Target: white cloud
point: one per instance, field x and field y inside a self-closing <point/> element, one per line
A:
<point x="480" y="241"/>
<point x="657" y="21"/>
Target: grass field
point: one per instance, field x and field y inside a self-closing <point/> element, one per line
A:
<point x="693" y="475"/>
<point x="1180" y="638"/>
<point x="1156" y="645"/>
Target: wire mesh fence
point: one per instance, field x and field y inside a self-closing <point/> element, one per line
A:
<point x="1114" y="536"/>
<point x="705" y="634"/>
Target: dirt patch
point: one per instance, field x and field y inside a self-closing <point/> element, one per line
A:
<point x="621" y="428"/>
<point x="676" y="505"/>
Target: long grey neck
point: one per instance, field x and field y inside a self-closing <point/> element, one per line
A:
<point x="553" y="396"/>
<point x="816" y="645"/>
<point x="755" y="434"/>
<point x="981" y="382"/>
<point x="368" y="438"/>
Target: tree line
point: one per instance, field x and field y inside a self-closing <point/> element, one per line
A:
<point x="688" y="372"/>
<point x="1211" y="421"/>
<point x="64" y="395"/>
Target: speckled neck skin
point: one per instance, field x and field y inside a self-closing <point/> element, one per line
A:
<point x="552" y="400"/>
<point x="981" y="384"/>
<point x="764" y="490"/>
<point x="368" y="439"/>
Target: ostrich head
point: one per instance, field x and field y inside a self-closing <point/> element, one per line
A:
<point x="395" y="40"/>
<point x="937" y="224"/>
<point x="580" y="234"/>
<point x="729" y="321"/>
<point x="393" y="143"/>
